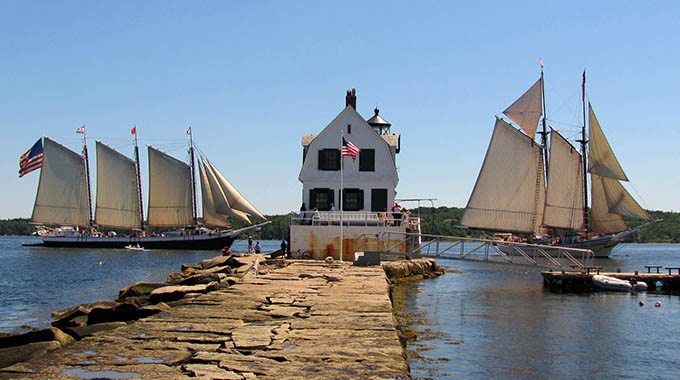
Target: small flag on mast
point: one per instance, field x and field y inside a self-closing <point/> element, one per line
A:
<point x="540" y="61"/>
<point x="349" y="149"/>
<point x="583" y="87"/>
<point x="133" y="130"/>
<point x="81" y="129"/>
<point x="189" y="131"/>
<point x="32" y="159"/>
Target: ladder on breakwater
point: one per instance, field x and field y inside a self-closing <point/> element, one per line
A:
<point x="416" y="245"/>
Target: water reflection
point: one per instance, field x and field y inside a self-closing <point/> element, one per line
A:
<point x="496" y="321"/>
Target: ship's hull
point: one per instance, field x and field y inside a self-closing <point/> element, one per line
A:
<point x="189" y="242"/>
<point x="601" y="246"/>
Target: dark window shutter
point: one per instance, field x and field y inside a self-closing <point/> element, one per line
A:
<point x="312" y="199"/>
<point x="331" y="198"/>
<point x="361" y="200"/>
<point x="336" y="160"/>
<point x="367" y="160"/>
<point x="320" y="161"/>
<point x="378" y="200"/>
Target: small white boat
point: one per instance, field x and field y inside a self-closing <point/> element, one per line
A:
<point x="639" y="286"/>
<point x="611" y="283"/>
<point x="134" y="247"/>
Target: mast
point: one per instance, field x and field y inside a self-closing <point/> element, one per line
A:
<point x="193" y="176"/>
<point x="544" y="133"/>
<point x="139" y="181"/>
<point x="87" y="176"/>
<point x="583" y="142"/>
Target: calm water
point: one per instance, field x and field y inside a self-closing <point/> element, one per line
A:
<point x="489" y="321"/>
<point x="498" y="322"/>
<point x="35" y="281"/>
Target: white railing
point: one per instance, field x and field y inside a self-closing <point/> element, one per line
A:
<point x="463" y="248"/>
<point x="352" y="218"/>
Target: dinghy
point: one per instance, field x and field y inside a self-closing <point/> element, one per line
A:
<point x="611" y="283"/>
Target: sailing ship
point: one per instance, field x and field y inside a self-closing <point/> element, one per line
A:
<point x="511" y="194"/>
<point x="63" y="199"/>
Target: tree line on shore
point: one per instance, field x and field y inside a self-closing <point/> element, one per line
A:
<point x="435" y="221"/>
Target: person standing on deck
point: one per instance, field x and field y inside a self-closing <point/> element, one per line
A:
<point x="250" y="245"/>
<point x="396" y="213"/>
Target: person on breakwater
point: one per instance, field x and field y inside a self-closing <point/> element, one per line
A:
<point x="250" y="244"/>
<point x="258" y="247"/>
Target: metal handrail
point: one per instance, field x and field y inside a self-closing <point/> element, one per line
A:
<point x="527" y="252"/>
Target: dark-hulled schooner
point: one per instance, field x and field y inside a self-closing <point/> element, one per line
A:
<point x="63" y="199"/>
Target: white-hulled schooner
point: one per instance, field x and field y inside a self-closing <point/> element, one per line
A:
<point x="63" y="199"/>
<point x="511" y="193"/>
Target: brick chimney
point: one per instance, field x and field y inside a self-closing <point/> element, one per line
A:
<point x="351" y="98"/>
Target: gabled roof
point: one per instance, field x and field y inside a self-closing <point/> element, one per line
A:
<point x="391" y="140"/>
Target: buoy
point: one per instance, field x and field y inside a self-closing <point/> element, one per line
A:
<point x="657" y="304"/>
<point x="642" y="303"/>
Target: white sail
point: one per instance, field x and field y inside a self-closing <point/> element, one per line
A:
<point x="210" y="215"/>
<point x="603" y="221"/>
<point x="117" y="190"/>
<point x="564" y="197"/>
<point x="222" y="205"/>
<point x="509" y="193"/>
<point x="236" y="201"/>
<point x="62" y="197"/>
<point x="620" y="201"/>
<point x="601" y="158"/>
<point x="526" y="110"/>
<point x="610" y="200"/>
<point x="170" y="194"/>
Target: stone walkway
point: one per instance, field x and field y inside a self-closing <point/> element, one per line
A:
<point x="307" y="320"/>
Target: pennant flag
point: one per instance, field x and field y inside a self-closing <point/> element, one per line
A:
<point x="133" y="130"/>
<point x="541" y="62"/>
<point x="32" y="159"/>
<point x="583" y="87"/>
<point x="189" y="131"/>
<point x="349" y="149"/>
<point x="81" y="129"/>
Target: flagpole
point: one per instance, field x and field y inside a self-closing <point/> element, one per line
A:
<point x="342" y="175"/>
<point x="87" y="169"/>
<point x="194" y="211"/>
<point x="139" y="182"/>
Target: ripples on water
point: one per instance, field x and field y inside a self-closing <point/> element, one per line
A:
<point x="36" y="281"/>
<point x="495" y="321"/>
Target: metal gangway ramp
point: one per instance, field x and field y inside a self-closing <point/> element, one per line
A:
<point x="416" y="245"/>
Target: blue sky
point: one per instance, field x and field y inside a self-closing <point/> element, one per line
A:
<point x="253" y="77"/>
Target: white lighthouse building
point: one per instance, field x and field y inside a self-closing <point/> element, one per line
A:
<point x="366" y="190"/>
<point x="369" y="182"/>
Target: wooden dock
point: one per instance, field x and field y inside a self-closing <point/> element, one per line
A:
<point x="309" y="319"/>
<point x="582" y="280"/>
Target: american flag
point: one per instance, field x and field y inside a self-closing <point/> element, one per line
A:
<point x="81" y="129"/>
<point x="349" y="149"/>
<point x="32" y="159"/>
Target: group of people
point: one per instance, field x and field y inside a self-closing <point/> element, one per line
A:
<point x="314" y="214"/>
<point x="251" y="249"/>
<point x="398" y="212"/>
<point x="257" y="248"/>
